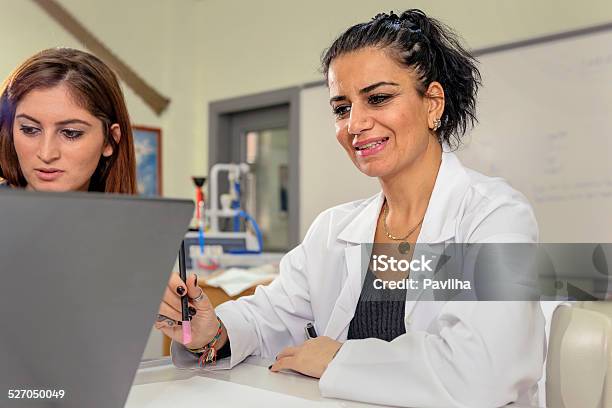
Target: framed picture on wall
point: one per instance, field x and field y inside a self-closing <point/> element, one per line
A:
<point x="147" y="144"/>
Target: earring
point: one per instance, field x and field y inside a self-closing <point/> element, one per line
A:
<point x="436" y="124"/>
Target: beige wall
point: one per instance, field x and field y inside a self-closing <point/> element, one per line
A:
<point x="253" y="46"/>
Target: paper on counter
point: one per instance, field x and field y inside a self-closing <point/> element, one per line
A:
<point x="208" y="392"/>
<point x="235" y="280"/>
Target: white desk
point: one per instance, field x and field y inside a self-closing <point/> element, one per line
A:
<point x="252" y="372"/>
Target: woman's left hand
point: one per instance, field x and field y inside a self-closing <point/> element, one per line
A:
<point x="311" y="358"/>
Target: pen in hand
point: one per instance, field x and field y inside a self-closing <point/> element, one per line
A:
<point x="184" y="299"/>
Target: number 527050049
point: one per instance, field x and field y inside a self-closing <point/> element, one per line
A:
<point x="36" y="394"/>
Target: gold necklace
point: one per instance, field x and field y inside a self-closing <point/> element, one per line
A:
<point x="386" y="229"/>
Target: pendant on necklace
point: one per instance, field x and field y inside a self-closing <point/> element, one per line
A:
<point x="403" y="247"/>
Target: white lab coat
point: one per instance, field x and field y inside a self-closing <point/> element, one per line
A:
<point x="465" y="354"/>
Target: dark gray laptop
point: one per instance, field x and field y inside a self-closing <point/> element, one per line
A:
<point x="82" y="276"/>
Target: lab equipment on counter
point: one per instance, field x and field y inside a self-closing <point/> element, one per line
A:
<point x="231" y="205"/>
<point x="227" y="236"/>
<point x="200" y="199"/>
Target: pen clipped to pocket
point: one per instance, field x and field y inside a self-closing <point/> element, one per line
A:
<point x="310" y="331"/>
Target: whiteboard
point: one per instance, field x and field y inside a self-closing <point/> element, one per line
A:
<point x="545" y="114"/>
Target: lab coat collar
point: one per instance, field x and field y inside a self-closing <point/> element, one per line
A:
<point x="451" y="186"/>
<point x="361" y="228"/>
<point x="439" y="223"/>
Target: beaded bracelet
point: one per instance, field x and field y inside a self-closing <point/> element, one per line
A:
<point x="209" y="352"/>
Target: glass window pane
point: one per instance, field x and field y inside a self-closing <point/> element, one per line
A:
<point x="268" y="155"/>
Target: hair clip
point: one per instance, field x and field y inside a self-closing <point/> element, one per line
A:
<point x="409" y="17"/>
<point x="390" y="16"/>
<point x="398" y="20"/>
<point x="379" y="16"/>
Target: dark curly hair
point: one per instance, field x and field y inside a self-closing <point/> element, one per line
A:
<point x="432" y="50"/>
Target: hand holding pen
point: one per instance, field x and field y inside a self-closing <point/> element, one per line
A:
<point x="200" y="313"/>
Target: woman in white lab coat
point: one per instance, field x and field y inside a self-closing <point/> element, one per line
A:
<point x="401" y="87"/>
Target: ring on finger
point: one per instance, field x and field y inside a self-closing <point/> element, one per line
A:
<point x="164" y="319"/>
<point x="200" y="297"/>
